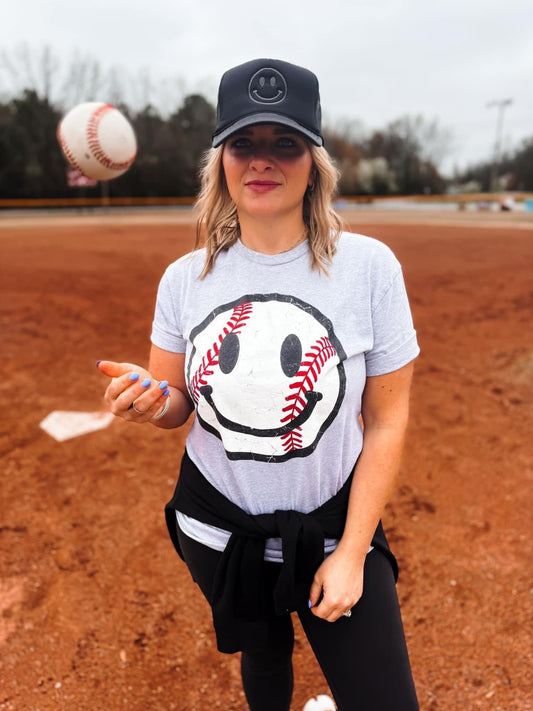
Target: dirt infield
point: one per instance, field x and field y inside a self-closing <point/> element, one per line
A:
<point x="96" y="610"/>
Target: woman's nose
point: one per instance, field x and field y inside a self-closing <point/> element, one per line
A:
<point x="261" y="158"/>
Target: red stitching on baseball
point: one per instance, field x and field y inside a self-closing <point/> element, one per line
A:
<point x="310" y="369"/>
<point x="66" y="150"/>
<point x="235" y="324"/>
<point x="94" y="142"/>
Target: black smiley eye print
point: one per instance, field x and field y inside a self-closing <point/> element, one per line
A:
<point x="210" y="358"/>
<point x="229" y="353"/>
<point x="267" y="86"/>
<point x="291" y="355"/>
<point x="267" y="376"/>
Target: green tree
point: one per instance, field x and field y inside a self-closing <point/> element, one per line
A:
<point x="346" y="155"/>
<point x="520" y="167"/>
<point x="515" y="170"/>
<point x="32" y="164"/>
<point x="147" y="176"/>
<point x="193" y="125"/>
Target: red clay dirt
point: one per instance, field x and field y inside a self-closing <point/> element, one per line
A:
<point x="97" y="612"/>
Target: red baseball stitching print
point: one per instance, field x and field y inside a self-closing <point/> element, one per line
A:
<point x="94" y="141"/>
<point x="236" y="323"/>
<point x="310" y="369"/>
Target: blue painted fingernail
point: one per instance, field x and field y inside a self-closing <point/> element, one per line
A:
<point x="163" y="385"/>
<point x="134" y="377"/>
<point x="146" y="383"/>
<point x="310" y="604"/>
<point x="166" y="393"/>
<point x="98" y="363"/>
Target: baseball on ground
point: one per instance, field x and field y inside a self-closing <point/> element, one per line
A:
<point x="320" y="703"/>
<point x="98" y="140"/>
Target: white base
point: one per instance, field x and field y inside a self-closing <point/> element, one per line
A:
<point x="62" y="424"/>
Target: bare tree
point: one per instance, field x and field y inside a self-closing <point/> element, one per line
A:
<point x="425" y="137"/>
<point x="413" y="148"/>
<point x="83" y="81"/>
<point x="26" y="69"/>
<point x="349" y="130"/>
<point x="169" y="93"/>
<point x="142" y="88"/>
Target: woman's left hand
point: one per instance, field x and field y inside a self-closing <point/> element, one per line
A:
<point x="337" y="586"/>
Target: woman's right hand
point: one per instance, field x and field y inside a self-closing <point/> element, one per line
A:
<point x="133" y="393"/>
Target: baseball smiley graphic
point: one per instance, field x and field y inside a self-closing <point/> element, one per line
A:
<point x="266" y="373"/>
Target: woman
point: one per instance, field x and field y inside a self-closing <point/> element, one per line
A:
<point x="294" y="344"/>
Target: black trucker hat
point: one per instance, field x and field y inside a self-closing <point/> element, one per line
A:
<point x="268" y="91"/>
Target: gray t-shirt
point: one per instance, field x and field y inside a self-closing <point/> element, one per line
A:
<point x="277" y="356"/>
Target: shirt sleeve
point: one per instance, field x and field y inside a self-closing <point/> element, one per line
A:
<point x="166" y="329"/>
<point x="394" y="337"/>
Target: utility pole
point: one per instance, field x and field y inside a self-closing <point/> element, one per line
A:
<point x="501" y="105"/>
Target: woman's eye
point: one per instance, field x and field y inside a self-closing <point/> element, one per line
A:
<point x="240" y="143"/>
<point x="282" y="146"/>
<point x="286" y="142"/>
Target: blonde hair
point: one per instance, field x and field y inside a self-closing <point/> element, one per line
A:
<point x="217" y="227"/>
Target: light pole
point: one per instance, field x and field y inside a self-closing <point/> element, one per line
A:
<point x="501" y="105"/>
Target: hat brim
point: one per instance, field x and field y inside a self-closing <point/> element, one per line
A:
<point x="255" y="119"/>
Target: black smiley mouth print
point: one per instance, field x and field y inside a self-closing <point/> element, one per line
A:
<point x="311" y="396"/>
<point x="267" y="86"/>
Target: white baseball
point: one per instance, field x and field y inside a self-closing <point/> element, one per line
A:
<point x="320" y="703"/>
<point x="98" y="140"/>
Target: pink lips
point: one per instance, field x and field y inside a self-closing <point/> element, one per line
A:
<point x="262" y="186"/>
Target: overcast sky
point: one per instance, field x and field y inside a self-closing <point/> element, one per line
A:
<point x="376" y="60"/>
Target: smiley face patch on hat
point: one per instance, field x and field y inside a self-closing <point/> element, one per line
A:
<point x="267" y="377"/>
<point x="267" y="86"/>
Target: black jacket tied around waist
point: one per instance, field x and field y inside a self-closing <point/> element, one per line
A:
<point x="240" y="599"/>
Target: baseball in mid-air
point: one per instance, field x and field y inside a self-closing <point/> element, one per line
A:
<point x="97" y="139"/>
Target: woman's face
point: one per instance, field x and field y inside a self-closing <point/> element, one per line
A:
<point x="268" y="169"/>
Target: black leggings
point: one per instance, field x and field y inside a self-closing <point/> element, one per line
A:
<point x="364" y="657"/>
